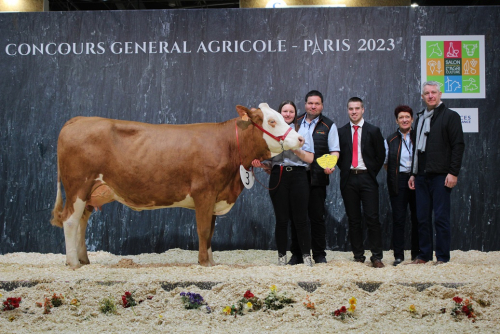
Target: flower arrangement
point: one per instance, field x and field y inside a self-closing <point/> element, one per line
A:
<point x="309" y="304"/>
<point x="54" y="301"/>
<point x="463" y="307"/>
<point x="345" y="312"/>
<point x="128" y="299"/>
<point x="275" y="300"/>
<point x="194" y="301"/>
<point x="248" y="303"/>
<point x="107" y="305"/>
<point x="10" y="303"/>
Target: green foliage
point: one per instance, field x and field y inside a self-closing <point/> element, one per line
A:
<point x="107" y="305"/>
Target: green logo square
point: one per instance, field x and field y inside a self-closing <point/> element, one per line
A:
<point x="470" y="84"/>
<point x="470" y="49"/>
<point x="434" y="49"/>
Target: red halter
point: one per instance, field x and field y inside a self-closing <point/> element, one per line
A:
<point x="279" y="139"/>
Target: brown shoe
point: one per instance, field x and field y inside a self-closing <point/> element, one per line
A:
<point x="417" y="261"/>
<point x="377" y="264"/>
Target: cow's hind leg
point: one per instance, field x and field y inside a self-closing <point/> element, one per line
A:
<point x="209" y="250"/>
<point x="204" y="214"/>
<point x="71" y="226"/>
<point x="81" y="248"/>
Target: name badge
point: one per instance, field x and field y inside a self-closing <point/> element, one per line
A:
<point x="246" y="177"/>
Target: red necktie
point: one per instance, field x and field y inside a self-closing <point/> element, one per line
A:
<point x="355" y="147"/>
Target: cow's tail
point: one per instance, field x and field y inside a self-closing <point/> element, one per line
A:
<point x="58" y="206"/>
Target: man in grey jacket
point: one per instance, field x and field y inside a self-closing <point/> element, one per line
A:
<point x="439" y="148"/>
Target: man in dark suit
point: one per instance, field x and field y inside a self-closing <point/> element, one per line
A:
<point x="362" y="154"/>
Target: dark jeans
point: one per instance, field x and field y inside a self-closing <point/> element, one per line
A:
<point x="361" y="189"/>
<point x="290" y="200"/>
<point x="432" y="194"/>
<point x="400" y="204"/>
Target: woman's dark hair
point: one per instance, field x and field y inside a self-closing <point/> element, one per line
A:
<point x="403" y="108"/>
<point x="284" y="103"/>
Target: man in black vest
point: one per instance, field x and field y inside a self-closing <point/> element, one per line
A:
<point x="326" y="141"/>
<point x="362" y="156"/>
<point x="399" y="152"/>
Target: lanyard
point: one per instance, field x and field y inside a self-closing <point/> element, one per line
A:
<point x="406" y="145"/>
<point x="407" y="148"/>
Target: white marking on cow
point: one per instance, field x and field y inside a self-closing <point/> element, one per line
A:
<point x="222" y="207"/>
<point x="100" y="178"/>
<point x="71" y="233"/>
<point x="210" y="255"/>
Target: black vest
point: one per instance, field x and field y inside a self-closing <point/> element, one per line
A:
<point x="395" y="143"/>
<point x="320" y="138"/>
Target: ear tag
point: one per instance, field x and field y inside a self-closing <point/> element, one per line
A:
<point x="327" y="161"/>
<point x="246" y="177"/>
<point x="245" y="117"/>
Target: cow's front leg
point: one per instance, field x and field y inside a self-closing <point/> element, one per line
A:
<point x="204" y="213"/>
<point x="70" y="227"/>
<point x="81" y="249"/>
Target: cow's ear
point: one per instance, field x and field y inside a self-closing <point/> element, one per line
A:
<point x="243" y="111"/>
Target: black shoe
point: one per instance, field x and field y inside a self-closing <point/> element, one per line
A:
<point x="320" y="259"/>
<point x="360" y="259"/>
<point x="295" y="260"/>
<point x="396" y="262"/>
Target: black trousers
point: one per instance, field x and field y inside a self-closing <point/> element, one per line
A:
<point x="400" y="204"/>
<point x="316" y="214"/>
<point x="290" y="199"/>
<point x="362" y="190"/>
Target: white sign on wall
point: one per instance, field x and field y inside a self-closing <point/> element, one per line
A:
<point x="470" y="119"/>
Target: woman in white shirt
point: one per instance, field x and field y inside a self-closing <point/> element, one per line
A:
<point x="289" y="189"/>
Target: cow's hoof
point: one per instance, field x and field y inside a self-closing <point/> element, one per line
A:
<point x="205" y="264"/>
<point x="84" y="262"/>
<point x="76" y="266"/>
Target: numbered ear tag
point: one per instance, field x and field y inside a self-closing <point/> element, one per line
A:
<point x="246" y="177"/>
<point x="327" y="161"/>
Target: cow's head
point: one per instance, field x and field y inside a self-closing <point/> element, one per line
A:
<point x="272" y="122"/>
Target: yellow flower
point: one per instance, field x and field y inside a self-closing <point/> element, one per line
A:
<point x="412" y="308"/>
<point x="227" y="310"/>
<point x="75" y="302"/>
<point x="249" y="305"/>
<point x="351" y="308"/>
<point x="352" y="301"/>
<point x="273" y="288"/>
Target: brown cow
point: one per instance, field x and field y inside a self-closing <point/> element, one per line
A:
<point x="146" y="167"/>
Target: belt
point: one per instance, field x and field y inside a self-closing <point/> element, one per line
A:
<point x="293" y="168"/>
<point x="358" y="171"/>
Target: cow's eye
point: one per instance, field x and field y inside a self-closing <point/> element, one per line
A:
<point x="271" y="122"/>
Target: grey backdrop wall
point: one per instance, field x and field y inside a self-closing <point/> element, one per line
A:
<point x="196" y="66"/>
